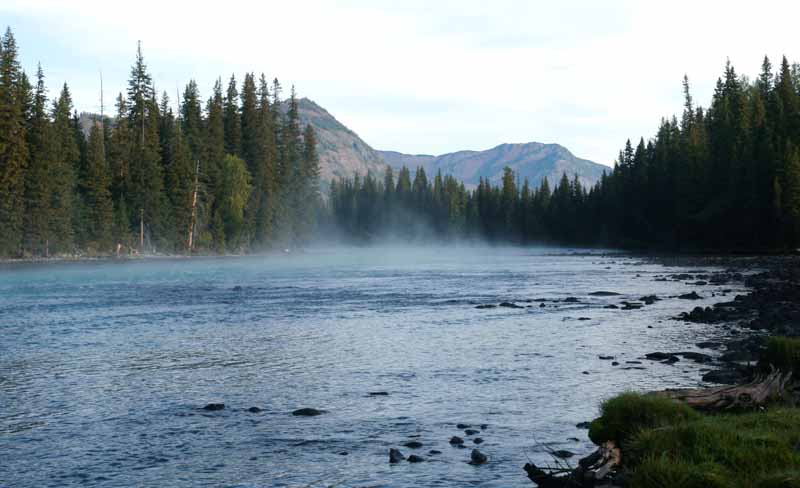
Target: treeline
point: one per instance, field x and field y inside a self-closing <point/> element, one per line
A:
<point x="725" y="178"/>
<point x="237" y="174"/>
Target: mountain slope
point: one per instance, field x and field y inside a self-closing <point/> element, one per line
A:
<point x="532" y="160"/>
<point x="342" y="154"/>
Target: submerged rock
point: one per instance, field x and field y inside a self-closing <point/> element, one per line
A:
<point x="478" y="457"/>
<point x="395" y="456"/>
<point x="563" y="454"/>
<point x="415" y="459"/>
<point x="214" y="407"/>
<point x="478" y="440"/>
<point x="571" y="300"/>
<point x="434" y="452"/>
<point x="690" y="296"/>
<point x="471" y="431"/>
<point x="413" y="444"/>
<point x="308" y="412"/>
<point x="254" y="410"/>
<point x="510" y="305"/>
<point x="379" y="393"/>
<point x="604" y="294"/>
<point x="456" y="441"/>
<point x="486" y="305"/>
<point x="463" y="426"/>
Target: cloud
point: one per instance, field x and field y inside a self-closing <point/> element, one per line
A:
<point x="426" y="77"/>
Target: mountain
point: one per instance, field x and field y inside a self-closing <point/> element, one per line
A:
<point x="532" y="160"/>
<point x="341" y="152"/>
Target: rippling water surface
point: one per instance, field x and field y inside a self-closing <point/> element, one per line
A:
<point x="104" y="367"/>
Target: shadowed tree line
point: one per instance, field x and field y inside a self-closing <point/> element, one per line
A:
<point x="232" y="174"/>
<point x="722" y="178"/>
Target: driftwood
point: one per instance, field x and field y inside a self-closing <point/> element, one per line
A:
<point x="750" y="395"/>
<point x="591" y="470"/>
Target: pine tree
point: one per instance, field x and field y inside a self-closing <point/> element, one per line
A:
<point x="146" y="172"/>
<point x="37" y="178"/>
<point x="233" y="121"/>
<point x="100" y="210"/>
<point x="13" y="148"/>
<point x="66" y="160"/>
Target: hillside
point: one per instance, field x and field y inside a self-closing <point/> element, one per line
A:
<point x="532" y="160"/>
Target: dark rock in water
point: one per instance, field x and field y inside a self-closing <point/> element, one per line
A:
<point x="613" y="307"/>
<point x="695" y="356"/>
<point x="478" y="457"/>
<point x="254" y="410"/>
<point x="571" y="300"/>
<point x="709" y="345"/>
<point x="237" y="288"/>
<point x="700" y="283"/>
<point x="690" y="296"/>
<point x="478" y="440"/>
<point x="308" y="412"/>
<point x="395" y="456"/>
<point x="631" y="305"/>
<point x="573" y="439"/>
<point x="583" y="425"/>
<point x="585" y="372"/>
<point x="379" y="393"/>
<point x="434" y="452"/>
<point x="660" y="356"/>
<point x="510" y="305"/>
<point x="725" y="376"/>
<point x="633" y="367"/>
<point x="344" y="453"/>
<point x="604" y="294"/>
<point x="614" y="363"/>
<point x="415" y="459"/>
<point x="649" y="299"/>
<point x="486" y="305"/>
<point x="456" y="441"/>
<point x="462" y="426"/>
<point x="606" y="358"/>
<point x="563" y="454"/>
<point x="484" y="426"/>
<point x="214" y="407"/>
<point x="413" y="444"/>
<point x="633" y="362"/>
<point x="471" y="432"/>
<point x="584" y="318"/>
<point x="542" y="305"/>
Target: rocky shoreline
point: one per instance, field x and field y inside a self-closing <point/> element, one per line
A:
<point x="770" y="307"/>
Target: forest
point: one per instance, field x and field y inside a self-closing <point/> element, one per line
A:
<point x="726" y="178"/>
<point x="237" y="173"/>
<point x="234" y="175"/>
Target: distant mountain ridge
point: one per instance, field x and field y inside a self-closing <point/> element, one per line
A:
<point x="533" y="160"/>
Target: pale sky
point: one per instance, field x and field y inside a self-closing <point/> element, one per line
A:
<point x="424" y="76"/>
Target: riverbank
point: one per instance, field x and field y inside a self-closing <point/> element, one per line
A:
<point x="745" y="436"/>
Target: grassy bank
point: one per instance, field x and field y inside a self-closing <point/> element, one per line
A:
<point x="667" y="444"/>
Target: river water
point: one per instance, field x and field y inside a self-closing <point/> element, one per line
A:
<point x="105" y="367"/>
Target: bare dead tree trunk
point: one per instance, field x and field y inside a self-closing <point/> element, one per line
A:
<point x="194" y="206"/>
<point x="756" y="393"/>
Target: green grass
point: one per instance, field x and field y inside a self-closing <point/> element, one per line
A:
<point x="666" y="444"/>
<point x="627" y="414"/>
<point x="783" y="353"/>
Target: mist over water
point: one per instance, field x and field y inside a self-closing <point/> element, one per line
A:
<point x="105" y="367"/>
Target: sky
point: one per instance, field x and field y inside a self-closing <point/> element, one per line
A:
<point x="423" y="77"/>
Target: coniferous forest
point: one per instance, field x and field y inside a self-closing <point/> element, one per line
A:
<point x="237" y="173"/>
<point x="725" y="178"/>
<point x="233" y="173"/>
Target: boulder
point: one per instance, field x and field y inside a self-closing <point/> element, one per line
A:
<point x="214" y="407"/>
<point x="413" y="444"/>
<point x="395" y="456"/>
<point x="307" y="412"/>
<point x="254" y="410"/>
<point x="477" y="457"/>
<point x="415" y="459"/>
<point x="690" y="296"/>
<point x="456" y="441"/>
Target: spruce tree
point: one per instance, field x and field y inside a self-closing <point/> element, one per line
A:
<point x="66" y="160"/>
<point x="13" y="148"/>
<point x="100" y="209"/>
<point x="38" y="176"/>
<point x="233" y="122"/>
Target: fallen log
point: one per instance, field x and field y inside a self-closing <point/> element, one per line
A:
<point x="754" y="394"/>
<point x="591" y="470"/>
